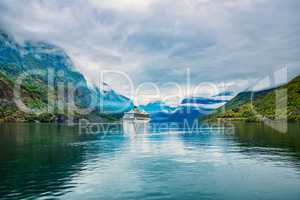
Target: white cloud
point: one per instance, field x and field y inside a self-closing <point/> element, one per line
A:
<point x="124" y="5"/>
<point x="232" y="42"/>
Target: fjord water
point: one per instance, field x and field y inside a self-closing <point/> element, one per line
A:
<point x="44" y="161"/>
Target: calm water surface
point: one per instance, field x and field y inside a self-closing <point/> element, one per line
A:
<point x="40" y="161"/>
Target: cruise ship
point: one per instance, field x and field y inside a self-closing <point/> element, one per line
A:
<point x="136" y="115"/>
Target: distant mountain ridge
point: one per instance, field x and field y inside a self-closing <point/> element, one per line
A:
<point x="54" y="63"/>
<point x="188" y="110"/>
<point x="202" y="100"/>
<point x="224" y="94"/>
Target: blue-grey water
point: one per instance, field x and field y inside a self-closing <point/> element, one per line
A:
<point x="43" y="161"/>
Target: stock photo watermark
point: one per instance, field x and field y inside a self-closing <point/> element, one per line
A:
<point x="62" y="98"/>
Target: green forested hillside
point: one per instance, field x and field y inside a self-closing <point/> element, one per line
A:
<point x="35" y="96"/>
<point x="262" y="105"/>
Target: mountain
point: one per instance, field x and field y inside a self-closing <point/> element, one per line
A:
<point x="188" y="110"/>
<point x="157" y="106"/>
<point x="224" y="94"/>
<point x="181" y="114"/>
<point x="202" y="101"/>
<point x="263" y="103"/>
<point x="110" y="101"/>
<point x="51" y="82"/>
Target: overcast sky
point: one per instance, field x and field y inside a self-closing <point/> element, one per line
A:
<point x="231" y="43"/>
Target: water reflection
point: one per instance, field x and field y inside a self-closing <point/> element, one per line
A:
<point x="265" y="143"/>
<point x="132" y="128"/>
<point x="42" y="159"/>
<point x="53" y="161"/>
<point x="257" y="134"/>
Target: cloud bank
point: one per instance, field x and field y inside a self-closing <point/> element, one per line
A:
<point x="227" y="42"/>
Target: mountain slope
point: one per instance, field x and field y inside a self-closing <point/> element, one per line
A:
<point x="51" y="82"/>
<point x="263" y="104"/>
